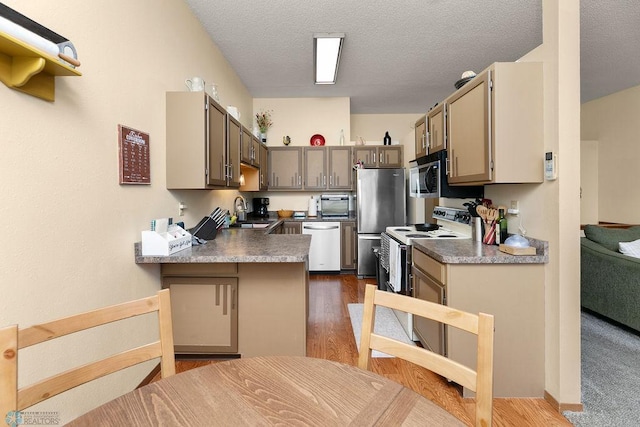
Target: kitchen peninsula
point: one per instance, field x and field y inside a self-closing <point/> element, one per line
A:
<point x="245" y="292"/>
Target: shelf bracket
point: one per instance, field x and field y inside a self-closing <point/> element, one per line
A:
<point x="23" y="68"/>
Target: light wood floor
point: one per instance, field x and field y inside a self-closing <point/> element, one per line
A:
<point x="330" y="337"/>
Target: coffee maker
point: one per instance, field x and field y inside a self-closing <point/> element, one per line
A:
<point x="260" y="206"/>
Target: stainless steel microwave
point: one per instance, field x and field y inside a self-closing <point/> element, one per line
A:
<point x="428" y="179"/>
<point x="334" y="204"/>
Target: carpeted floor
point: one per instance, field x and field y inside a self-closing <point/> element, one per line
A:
<point x="610" y="376"/>
<point x="387" y="324"/>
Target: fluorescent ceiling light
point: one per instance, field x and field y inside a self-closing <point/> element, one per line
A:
<point x="326" y="49"/>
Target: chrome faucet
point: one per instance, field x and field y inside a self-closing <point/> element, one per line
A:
<point x="241" y="209"/>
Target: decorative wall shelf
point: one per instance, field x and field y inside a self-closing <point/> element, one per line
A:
<point x="29" y="70"/>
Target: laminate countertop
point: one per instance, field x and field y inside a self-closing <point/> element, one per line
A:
<point x="239" y="245"/>
<point x="454" y="251"/>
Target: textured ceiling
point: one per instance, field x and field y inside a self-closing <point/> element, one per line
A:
<point x="404" y="56"/>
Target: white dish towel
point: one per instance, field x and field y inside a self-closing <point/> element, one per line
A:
<point x="395" y="273"/>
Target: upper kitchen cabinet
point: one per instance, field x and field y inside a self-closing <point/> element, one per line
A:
<point x="196" y="141"/>
<point x="327" y="168"/>
<point x="285" y="168"/>
<point x="250" y="153"/>
<point x="421" y="137"/>
<point x="436" y="133"/>
<point x="385" y="156"/>
<point x="264" y="171"/>
<point x="340" y="168"/>
<point x="234" y="143"/>
<point x="495" y="128"/>
<point x="315" y="168"/>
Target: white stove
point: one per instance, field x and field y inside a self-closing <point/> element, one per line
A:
<point x="452" y="224"/>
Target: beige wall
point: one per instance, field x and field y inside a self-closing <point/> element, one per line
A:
<point x="551" y="210"/>
<point x="69" y="226"/>
<point x="589" y="176"/>
<point x="613" y="122"/>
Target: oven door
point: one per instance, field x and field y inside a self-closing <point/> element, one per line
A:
<point x="424" y="180"/>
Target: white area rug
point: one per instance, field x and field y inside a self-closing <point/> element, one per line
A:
<point x="387" y="324"/>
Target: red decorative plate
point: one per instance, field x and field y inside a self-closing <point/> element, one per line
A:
<point x="317" y="140"/>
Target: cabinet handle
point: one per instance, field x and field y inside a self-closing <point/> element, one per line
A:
<point x="299" y="180"/>
<point x="233" y="298"/>
<point x="331" y="180"/>
<point x="324" y="180"/>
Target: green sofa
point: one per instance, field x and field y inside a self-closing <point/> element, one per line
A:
<point x="609" y="280"/>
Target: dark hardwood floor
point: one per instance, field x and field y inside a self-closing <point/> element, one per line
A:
<point x="330" y="337"/>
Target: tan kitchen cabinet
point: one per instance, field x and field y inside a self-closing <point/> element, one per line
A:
<point x="385" y="156"/>
<point x="249" y="153"/>
<point x="514" y="294"/>
<point x="234" y="143"/>
<point x="421" y="137"/>
<point x="260" y="298"/>
<point x="285" y="168"/>
<point x="197" y="126"/>
<point x="348" y="245"/>
<point x="315" y="168"/>
<point x="264" y="171"/>
<point x="436" y="125"/>
<point x="328" y="168"/>
<point x="340" y="168"/>
<point x="495" y="126"/>
<point x="191" y="297"/>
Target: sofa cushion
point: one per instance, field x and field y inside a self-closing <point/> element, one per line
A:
<point x="630" y="248"/>
<point x="611" y="237"/>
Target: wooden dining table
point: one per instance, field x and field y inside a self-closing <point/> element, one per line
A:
<point x="278" y="390"/>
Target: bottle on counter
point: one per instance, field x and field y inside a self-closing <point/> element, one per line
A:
<point x="501" y="228"/>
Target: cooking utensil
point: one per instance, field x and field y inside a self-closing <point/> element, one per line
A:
<point x="426" y="227"/>
<point x="471" y="207"/>
<point x="492" y="215"/>
<point x="482" y="212"/>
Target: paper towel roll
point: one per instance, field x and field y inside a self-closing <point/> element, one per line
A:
<point x="38" y="42"/>
<point x="313" y="207"/>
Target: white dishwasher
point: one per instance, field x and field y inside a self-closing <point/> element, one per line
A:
<point x="324" y="254"/>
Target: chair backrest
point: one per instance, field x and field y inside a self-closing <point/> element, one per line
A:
<point x="13" y="339"/>
<point x="479" y="380"/>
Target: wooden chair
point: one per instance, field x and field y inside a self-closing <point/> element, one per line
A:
<point x="480" y="380"/>
<point x="13" y="339"/>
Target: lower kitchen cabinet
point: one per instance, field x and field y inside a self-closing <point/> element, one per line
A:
<point x="514" y="295"/>
<point x="191" y="298"/>
<point x="348" y="245"/>
<point x="247" y="308"/>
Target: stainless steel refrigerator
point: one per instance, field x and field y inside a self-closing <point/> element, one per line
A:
<point x="381" y="203"/>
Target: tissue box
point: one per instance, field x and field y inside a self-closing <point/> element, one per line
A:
<point x="175" y="239"/>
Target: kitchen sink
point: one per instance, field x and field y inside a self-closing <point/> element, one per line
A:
<point x="251" y="224"/>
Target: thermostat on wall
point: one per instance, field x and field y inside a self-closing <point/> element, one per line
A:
<point x="550" y="166"/>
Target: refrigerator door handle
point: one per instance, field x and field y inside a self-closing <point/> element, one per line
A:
<point x="369" y="237"/>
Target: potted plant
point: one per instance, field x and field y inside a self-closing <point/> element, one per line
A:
<point x="263" y="120"/>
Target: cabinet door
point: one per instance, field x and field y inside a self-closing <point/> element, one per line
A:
<point x="285" y="165"/>
<point x="291" y="227"/>
<point x="437" y="130"/>
<point x="390" y="157"/>
<point x="368" y="156"/>
<point x="315" y="168"/>
<point x="469" y="140"/>
<point x="204" y="311"/>
<point x="246" y="146"/>
<point x="234" y="142"/>
<point x="264" y="172"/>
<point x="194" y="120"/>
<point x="348" y="246"/>
<point x="421" y="137"/>
<point x="431" y="334"/>
<point x="340" y="168"/>
<point x="217" y="137"/>
<point x="255" y="151"/>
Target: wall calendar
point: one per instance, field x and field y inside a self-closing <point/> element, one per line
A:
<point x="133" y="153"/>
